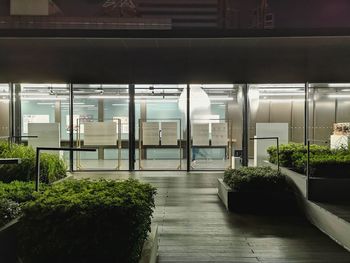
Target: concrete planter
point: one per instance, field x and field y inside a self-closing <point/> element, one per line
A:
<point x="256" y="202"/>
<point x="9" y="244"/>
<point x="320" y="189"/>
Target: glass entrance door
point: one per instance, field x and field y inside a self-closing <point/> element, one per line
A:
<point x="160" y="127"/>
<point x="216" y="126"/>
<point x="101" y="120"/>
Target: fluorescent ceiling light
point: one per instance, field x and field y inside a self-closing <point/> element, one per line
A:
<point x="283" y="94"/>
<point x="44" y="85"/>
<point x="220" y="99"/>
<point x="33" y="94"/>
<point x="280" y="90"/>
<point x="160" y="86"/>
<point x="283" y="100"/>
<point x="107" y="97"/>
<point x="44" y="98"/>
<point x="336" y="96"/>
<point x="4" y="94"/>
<point x="213" y="86"/>
<point x="339" y="85"/>
<point x="46" y="103"/>
<point x="283" y="85"/>
<point x="4" y="100"/>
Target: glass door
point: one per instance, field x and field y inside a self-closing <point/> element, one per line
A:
<point x="42" y="108"/>
<point x="4" y="109"/>
<point x="101" y="120"/>
<point x="216" y="126"/>
<point x="160" y="127"/>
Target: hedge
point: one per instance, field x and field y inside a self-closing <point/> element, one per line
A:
<point x="324" y="162"/>
<point x="52" y="168"/>
<point x="255" y="179"/>
<point x="12" y="196"/>
<point x="83" y="221"/>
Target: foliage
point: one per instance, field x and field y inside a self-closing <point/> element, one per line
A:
<point x="9" y="210"/>
<point x="12" y="195"/>
<point x="52" y="168"/>
<point x="324" y="162"/>
<point x="255" y="179"/>
<point x="83" y="221"/>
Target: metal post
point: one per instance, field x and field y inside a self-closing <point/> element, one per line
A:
<point x="71" y="128"/>
<point x="37" y="169"/>
<point x="306" y="113"/>
<point x="37" y="160"/>
<point x="12" y="113"/>
<point x="132" y="142"/>
<point x="278" y="154"/>
<point x="245" y="126"/>
<point x="307" y="169"/>
<point x="278" y="147"/>
<point x="188" y="128"/>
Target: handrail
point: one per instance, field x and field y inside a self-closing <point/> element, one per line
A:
<point x="37" y="161"/>
<point x="278" y="147"/>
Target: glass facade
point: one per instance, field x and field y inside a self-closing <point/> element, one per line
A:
<point x="4" y="110"/>
<point x="209" y="135"/>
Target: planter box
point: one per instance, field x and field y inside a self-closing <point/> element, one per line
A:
<point x="320" y="189"/>
<point x="9" y="245"/>
<point x="256" y="202"/>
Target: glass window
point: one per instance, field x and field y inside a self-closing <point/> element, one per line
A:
<point x="160" y="127"/>
<point x="101" y="120"/>
<point x="216" y="125"/>
<point x="4" y="109"/>
<point x="43" y="108"/>
<point x="275" y="110"/>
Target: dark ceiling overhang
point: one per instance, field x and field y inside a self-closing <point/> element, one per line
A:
<point x="165" y="57"/>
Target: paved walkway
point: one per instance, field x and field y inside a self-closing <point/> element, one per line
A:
<point x="195" y="227"/>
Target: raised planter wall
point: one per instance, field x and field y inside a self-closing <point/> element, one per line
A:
<point x="322" y="189"/>
<point x="9" y="245"/>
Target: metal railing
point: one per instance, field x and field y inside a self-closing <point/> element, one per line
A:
<point x="278" y="147"/>
<point x="37" y="160"/>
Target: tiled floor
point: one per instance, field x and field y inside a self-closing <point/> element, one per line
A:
<point x="195" y="227"/>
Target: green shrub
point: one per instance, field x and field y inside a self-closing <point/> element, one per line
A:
<point x="324" y="162"/>
<point x="52" y="168"/>
<point x="12" y="195"/>
<point x="83" y="221"/>
<point x="255" y="179"/>
<point x="9" y="210"/>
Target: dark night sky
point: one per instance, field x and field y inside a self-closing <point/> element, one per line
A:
<point x="288" y="13"/>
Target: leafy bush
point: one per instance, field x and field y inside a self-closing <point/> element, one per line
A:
<point x="324" y="162"/>
<point x="255" y="179"/>
<point x="12" y="196"/>
<point x="83" y="221"/>
<point x="9" y="210"/>
<point x="52" y="168"/>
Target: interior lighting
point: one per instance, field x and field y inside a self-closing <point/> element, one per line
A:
<point x="284" y="85"/>
<point x="45" y="98"/>
<point x="336" y="96"/>
<point x="107" y="97"/>
<point x="283" y="94"/>
<point x="213" y="86"/>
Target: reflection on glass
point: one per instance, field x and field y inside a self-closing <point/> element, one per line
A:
<point x="160" y="127"/>
<point x="43" y="107"/>
<point x="329" y="108"/>
<point x="275" y="110"/>
<point x="101" y="120"/>
<point x="4" y="109"/>
<point x="216" y="120"/>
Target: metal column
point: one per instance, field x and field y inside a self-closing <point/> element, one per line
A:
<point x="71" y="127"/>
<point x="245" y="126"/>
<point x="306" y="114"/>
<point x="132" y="142"/>
<point x="188" y="129"/>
